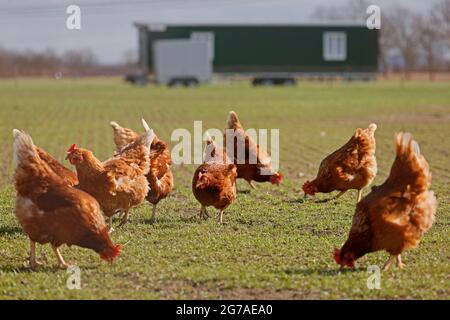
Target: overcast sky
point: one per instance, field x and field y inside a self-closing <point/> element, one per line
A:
<point x="107" y="25"/>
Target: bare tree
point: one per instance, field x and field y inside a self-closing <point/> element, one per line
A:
<point x="401" y="34"/>
<point x="441" y="16"/>
<point x="428" y="37"/>
<point x="433" y="35"/>
<point x="79" y="61"/>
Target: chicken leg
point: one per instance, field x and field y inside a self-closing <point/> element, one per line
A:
<point x="399" y="263"/>
<point x="153" y="218"/>
<point x="111" y="229"/>
<point x="340" y="194"/>
<point x="221" y="217"/>
<point x="359" y="196"/>
<point x="393" y="258"/>
<point x="122" y="214"/>
<point x="61" y="263"/>
<point x="388" y="263"/>
<point x="34" y="263"/>
<point x="203" y="213"/>
<point x="252" y="185"/>
<point x="124" y="219"/>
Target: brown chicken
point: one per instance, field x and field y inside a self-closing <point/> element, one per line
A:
<point x="256" y="164"/>
<point x="353" y="166"/>
<point x="51" y="211"/>
<point x="214" y="183"/>
<point x="395" y="215"/>
<point x="160" y="177"/>
<point x="119" y="183"/>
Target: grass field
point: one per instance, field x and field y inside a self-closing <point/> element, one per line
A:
<point x="274" y="244"/>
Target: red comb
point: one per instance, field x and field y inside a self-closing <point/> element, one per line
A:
<point x="72" y="148"/>
<point x="337" y="255"/>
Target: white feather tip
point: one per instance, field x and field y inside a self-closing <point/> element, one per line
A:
<point x="16" y="133"/>
<point x="208" y="137"/>
<point x="415" y="147"/>
<point x="145" y="125"/>
<point x="114" y="124"/>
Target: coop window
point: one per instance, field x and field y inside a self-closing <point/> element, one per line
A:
<point x="334" y="46"/>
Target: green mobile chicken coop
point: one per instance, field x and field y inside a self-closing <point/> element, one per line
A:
<point x="268" y="53"/>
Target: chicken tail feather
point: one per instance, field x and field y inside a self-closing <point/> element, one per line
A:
<point x="208" y="138"/>
<point x="410" y="163"/>
<point x="148" y="138"/>
<point x="412" y="168"/>
<point x="145" y="125"/>
<point x="233" y="121"/>
<point x="24" y="148"/>
<point x="115" y="125"/>
<point x="372" y="127"/>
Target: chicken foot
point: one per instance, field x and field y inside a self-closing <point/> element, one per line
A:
<point x="61" y="263"/>
<point x="393" y="258"/>
<point x="34" y="263"/>
<point x="399" y="263"/>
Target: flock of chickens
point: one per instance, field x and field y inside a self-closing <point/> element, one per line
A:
<point x="56" y="206"/>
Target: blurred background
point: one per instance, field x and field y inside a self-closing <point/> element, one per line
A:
<point x="414" y="40"/>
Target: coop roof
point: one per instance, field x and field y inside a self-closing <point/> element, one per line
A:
<point x="335" y="23"/>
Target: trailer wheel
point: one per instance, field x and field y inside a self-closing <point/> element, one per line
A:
<point x="183" y="82"/>
<point x="267" y="82"/>
<point x="289" y="82"/>
<point x="256" y="82"/>
<point x="191" y="83"/>
<point x="175" y="83"/>
<point x="263" y="82"/>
